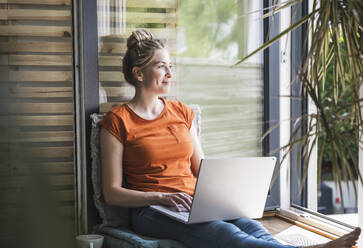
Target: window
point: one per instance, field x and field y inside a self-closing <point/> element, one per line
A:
<point x="220" y="51"/>
<point x="116" y="20"/>
<point x="231" y="98"/>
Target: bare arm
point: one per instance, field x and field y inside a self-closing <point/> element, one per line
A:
<point x="114" y="194"/>
<point x="197" y="151"/>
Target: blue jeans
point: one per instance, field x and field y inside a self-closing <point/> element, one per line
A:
<point x="243" y="232"/>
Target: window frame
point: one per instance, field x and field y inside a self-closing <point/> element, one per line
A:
<point x="86" y="102"/>
<point x="297" y="107"/>
<point x="271" y="60"/>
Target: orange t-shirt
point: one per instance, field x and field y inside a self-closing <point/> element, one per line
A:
<point x="157" y="152"/>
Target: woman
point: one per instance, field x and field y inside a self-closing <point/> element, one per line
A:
<point x="152" y="142"/>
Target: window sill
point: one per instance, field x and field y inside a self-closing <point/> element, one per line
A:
<point x="351" y="219"/>
<point x="295" y="228"/>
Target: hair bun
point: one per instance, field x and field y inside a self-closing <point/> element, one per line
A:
<point x="138" y="36"/>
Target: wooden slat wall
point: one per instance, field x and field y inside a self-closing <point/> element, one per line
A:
<point x="36" y="48"/>
<point x="157" y="16"/>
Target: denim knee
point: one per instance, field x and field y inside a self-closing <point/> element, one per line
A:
<point x="247" y="223"/>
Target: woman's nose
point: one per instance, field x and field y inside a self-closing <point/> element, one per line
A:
<point x="169" y="74"/>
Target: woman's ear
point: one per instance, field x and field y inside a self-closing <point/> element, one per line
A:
<point x="138" y="75"/>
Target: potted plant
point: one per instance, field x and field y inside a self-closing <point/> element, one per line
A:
<point x="331" y="74"/>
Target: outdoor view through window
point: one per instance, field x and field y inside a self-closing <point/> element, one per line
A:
<point x="212" y="36"/>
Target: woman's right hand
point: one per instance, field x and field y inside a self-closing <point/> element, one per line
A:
<point x="175" y="200"/>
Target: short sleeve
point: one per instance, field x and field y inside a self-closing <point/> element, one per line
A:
<point x="114" y="124"/>
<point x="188" y="114"/>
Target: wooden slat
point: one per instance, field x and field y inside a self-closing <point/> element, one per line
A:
<point x="107" y="60"/>
<point x="120" y="47"/>
<point x="22" y="168"/>
<point x="40" y="76"/>
<point x="51" y="152"/>
<point x="16" y="213"/>
<point x="142" y="3"/>
<point x="233" y="124"/>
<point x="105" y="107"/>
<point x="41" y="108"/>
<point x="46" y="168"/>
<point x="17" y="152"/>
<point x="16" y="196"/>
<point x="111" y="76"/>
<point x="112" y="47"/>
<point x="15" y="136"/>
<point x="230" y="150"/>
<point x="124" y="91"/>
<point x="32" y="14"/>
<point x="47" y="2"/>
<point x="38" y="60"/>
<point x="30" y="30"/>
<point x="16" y="45"/>
<point x="52" y="120"/>
<point x="110" y="60"/>
<point x="160" y="33"/>
<point x="132" y="3"/>
<point x="147" y="17"/>
<point x="171" y="12"/>
<point x="237" y="134"/>
<point x="21" y="182"/>
<point x="4" y="59"/>
<point x="152" y="3"/>
<point x="40" y="92"/>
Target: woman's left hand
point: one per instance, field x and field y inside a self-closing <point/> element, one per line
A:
<point x="176" y="200"/>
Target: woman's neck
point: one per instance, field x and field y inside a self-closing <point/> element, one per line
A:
<point x="149" y="106"/>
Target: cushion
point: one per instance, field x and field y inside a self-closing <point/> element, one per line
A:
<point x="110" y="215"/>
<point x="125" y="238"/>
<point x="115" y="216"/>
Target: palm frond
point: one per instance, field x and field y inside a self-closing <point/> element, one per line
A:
<point x="334" y="61"/>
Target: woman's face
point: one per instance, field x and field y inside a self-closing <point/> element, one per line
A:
<point x="156" y="76"/>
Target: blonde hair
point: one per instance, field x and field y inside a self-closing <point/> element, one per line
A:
<point x="141" y="47"/>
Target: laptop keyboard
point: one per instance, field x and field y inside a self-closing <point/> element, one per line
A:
<point x="183" y="214"/>
<point x="182" y="208"/>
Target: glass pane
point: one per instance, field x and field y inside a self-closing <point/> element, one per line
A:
<point x="116" y="20"/>
<point x="212" y="36"/>
<point x="339" y="203"/>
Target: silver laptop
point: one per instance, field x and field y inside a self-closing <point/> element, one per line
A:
<point x="227" y="189"/>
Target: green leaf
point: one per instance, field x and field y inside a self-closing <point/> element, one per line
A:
<point x="277" y="37"/>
